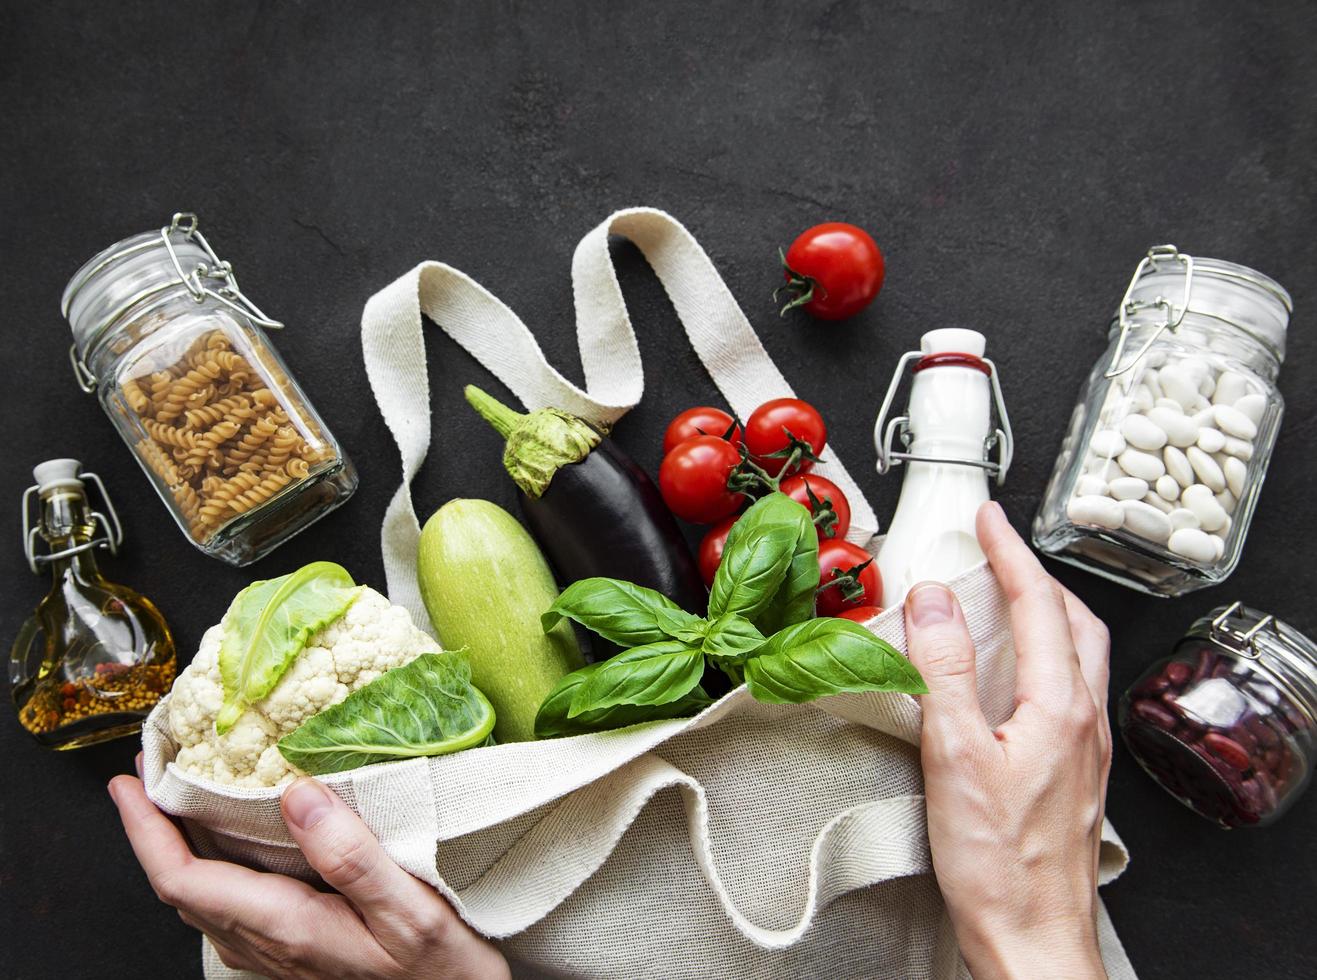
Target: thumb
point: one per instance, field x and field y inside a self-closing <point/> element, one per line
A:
<point x="940" y="646"/>
<point x="350" y="860"/>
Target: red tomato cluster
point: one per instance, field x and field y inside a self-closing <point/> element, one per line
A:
<point x="703" y="447"/>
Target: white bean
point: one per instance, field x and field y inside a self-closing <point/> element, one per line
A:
<point x="1253" y="407"/>
<point x="1202" y="501"/>
<point x="1196" y="367"/>
<point x="1226" y="500"/>
<point x="1142" y="433"/>
<point x="1141" y="398"/>
<point x="1203" y="419"/>
<point x="1177" y="384"/>
<point x="1107" y="443"/>
<point x="1177" y="465"/>
<point x="1219" y="543"/>
<point x="1168" y="488"/>
<point x="1146" y="521"/>
<point x="1183" y="517"/>
<point x="1105" y="470"/>
<point x="1180" y="430"/>
<point x="1236" y="474"/>
<point x="1193" y="544"/>
<point x="1152" y="500"/>
<point x="1207" y="386"/>
<point x="1127" y="488"/>
<point x="1210" y="440"/>
<point x="1089" y="485"/>
<point x="1239" y="448"/>
<point x="1206" y="468"/>
<point x="1230" y="387"/>
<point x="1102" y="511"/>
<point x="1170" y="403"/>
<point x="1233" y="422"/>
<point x="1143" y="465"/>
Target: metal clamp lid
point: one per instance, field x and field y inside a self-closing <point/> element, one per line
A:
<point x="111" y="536"/>
<point x="885" y="432"/>
<point x="1129" y="306"/>
<point x="1242" y="642"/>
<point x="194" y="281"/>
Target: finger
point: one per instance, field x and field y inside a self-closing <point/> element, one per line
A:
<point x="1092" y="645"/>
<point x="940" y="646"/>
<point x="1047" y="667"/>
<point x="159" y="846"/>
<point x="396" y="906"/>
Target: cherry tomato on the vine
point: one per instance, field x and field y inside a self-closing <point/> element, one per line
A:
<point x="841" y="558"/>
<point x="703" y="420"/>
<point x="711" y="548"/>
<point x="693" y="479"/>
<point x="860" y="614"/>
<point x="833" y="270"/>
<point x="771" y="427"/>
<point x="832" y="503"/>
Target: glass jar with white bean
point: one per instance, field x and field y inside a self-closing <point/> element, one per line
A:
<point x="1167" y="448"/>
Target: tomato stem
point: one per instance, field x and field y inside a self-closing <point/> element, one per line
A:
<point x="798" y="286"/>
<point x="848" y="580"/>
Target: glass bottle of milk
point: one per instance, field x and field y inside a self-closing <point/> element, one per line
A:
<point x="948" y="437"/>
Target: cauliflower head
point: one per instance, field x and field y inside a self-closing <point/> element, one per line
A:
<point x="371" y="637"/>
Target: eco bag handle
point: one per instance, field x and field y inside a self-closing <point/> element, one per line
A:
<point x="394" y="350"/>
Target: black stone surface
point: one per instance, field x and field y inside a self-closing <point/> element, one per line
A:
<point x="1012" y="160"/>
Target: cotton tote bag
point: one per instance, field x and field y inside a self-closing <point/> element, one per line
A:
<point x="751" y="841"/>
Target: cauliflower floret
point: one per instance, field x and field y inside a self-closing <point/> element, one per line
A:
<point x="371" y="637"/>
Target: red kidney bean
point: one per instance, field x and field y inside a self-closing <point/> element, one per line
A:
<point x="1152" y="686"/>
<point x="1271" y="758"/>
<point x="1264" y="733"/>
<point x="1240" y="733"/>
<point x="1227" y="750"/>
<point x="1154" y="714"/>
<point x="1205" y="663"/>
<point x="1177" y="673"/>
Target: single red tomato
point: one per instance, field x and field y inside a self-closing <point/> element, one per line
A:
<point x="711" y="548"/>
<point x="703" y="420"/>
<point x="833" y="270"/>
<point x="860" y="614"/>
<point x="829" y="506"/>
<point x="772" y="426"/>
<point x="693" y="479"/>
<point x="842" y="559"/>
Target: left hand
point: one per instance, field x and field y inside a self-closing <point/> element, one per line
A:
<point x="383" y="923"/>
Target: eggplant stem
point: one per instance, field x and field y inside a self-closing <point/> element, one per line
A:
<point x="493" y="411"/>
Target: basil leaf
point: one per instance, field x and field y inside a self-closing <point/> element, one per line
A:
<point x="827" y="656"/>
<point x="267" y="626"/>
<point x="552" y="720"/>
<point x="681" y="625"/>
<point x="618" y="611"/>
<point x="652" y="674"/>
<point x="793" y="602"/>
<point x="733" y="637"/>
<point x="426" y="707"/>
<point x="753" y="566"/>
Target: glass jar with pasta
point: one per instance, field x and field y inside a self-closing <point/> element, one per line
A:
<point x="182" y="365"/>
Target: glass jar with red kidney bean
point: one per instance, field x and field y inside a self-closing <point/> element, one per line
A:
<point x="1228" y="723"/>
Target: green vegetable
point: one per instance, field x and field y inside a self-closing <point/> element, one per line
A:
<point x="552" y="721"/>
<point x="485" y="586"/>
<point x="267" y="626"/>
<point x="426" y="707"/>
<point x="765" y="584"/>
<point x="625" y="614"/>
<point x="827" y="656"/>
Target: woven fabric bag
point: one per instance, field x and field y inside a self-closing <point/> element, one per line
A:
<point x="752" y="841"/>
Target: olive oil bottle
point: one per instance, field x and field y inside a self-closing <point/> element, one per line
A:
<point x="95" y="657"/>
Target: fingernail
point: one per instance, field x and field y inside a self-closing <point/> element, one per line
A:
<point x="930" y="604"/>
<point x="137" y="764"/>
<point x="305" y="802"/>
<point x="109" y="788"/>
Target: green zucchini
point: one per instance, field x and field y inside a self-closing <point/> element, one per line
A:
<point x="485" y="586"/>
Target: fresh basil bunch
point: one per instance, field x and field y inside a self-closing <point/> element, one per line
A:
<point x="760" y="630"/>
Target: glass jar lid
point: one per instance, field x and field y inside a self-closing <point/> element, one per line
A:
<point x="1287" y="656"/>
<point x="129" y="272"/>
<point x="1169" y="284"/>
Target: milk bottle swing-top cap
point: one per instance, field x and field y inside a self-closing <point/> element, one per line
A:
<point x="948" y="347"/>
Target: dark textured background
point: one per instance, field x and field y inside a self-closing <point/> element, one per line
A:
<point x="1012" y="160"/>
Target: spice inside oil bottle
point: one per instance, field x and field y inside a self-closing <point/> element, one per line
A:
<point x="96" y="656"/>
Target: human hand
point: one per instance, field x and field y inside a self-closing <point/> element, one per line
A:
<point x="1015" y="815"/>
<point x="383" y="923"/>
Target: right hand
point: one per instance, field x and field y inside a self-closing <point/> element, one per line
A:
<point x="380" y="924"/>
<point x="1015" y="813"/>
